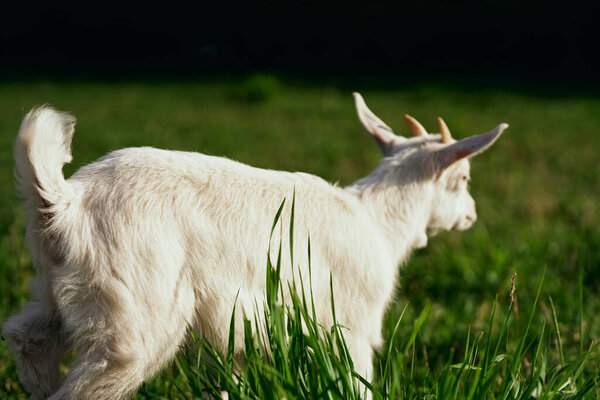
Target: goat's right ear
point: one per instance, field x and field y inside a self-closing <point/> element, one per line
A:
<point x="467" y="147"/>
<point x="383" y="134"/>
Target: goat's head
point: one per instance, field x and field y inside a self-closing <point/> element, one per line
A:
<point x="437" y="162"/>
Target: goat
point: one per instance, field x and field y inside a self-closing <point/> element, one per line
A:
<point x="142" y="244"/>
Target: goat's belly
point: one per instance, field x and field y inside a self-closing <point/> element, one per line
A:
<point x="217" y="302"/>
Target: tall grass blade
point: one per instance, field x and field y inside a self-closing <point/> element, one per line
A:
<point x="557" y="332"/>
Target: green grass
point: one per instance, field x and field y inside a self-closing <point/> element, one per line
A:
<point x="536" y="192"/>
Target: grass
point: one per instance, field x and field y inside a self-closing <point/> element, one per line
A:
<point x="458" y="337"/>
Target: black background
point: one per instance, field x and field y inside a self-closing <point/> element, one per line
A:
<point x="537" y="40"/>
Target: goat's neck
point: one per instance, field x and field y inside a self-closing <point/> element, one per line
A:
<point x="401" y="210"/>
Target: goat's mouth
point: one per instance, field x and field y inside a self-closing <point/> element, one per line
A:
<point x="464" y="224"/>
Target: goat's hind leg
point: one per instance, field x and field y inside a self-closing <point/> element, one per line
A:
<point x="140" y="338"/>
<point x="105" y="373"/>
<point x="35" y="338"/>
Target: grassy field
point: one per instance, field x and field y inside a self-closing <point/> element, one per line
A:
<point x="537" y="193"/>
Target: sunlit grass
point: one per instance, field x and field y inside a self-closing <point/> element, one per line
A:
<point x="293" y="356"/>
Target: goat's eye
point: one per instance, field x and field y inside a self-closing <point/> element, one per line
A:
<point x="464" y="178"/>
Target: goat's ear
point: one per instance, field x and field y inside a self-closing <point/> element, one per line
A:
<point x="383" y="134"/>
<point x="468" y="147"/>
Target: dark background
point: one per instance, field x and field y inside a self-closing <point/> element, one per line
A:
<point x="536" y="40"/>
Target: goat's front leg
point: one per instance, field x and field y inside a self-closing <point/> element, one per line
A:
<point x="361" y="352"/>
<point x="36" y="341"/>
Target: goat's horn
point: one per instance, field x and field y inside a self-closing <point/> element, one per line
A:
<point x="446" y="136"/>
<point x="414" y="126"/>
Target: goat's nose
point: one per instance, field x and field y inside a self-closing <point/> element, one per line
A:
<point x="471" y="217"/>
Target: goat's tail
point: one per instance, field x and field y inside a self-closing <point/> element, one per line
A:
<point x="42" y="147"/>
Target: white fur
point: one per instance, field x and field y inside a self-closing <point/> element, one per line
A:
<point x="142" y="243"/>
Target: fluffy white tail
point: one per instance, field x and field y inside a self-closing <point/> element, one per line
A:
<point x="42" y="147"/>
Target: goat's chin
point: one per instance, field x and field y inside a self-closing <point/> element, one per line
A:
<point x="434" y="231"/>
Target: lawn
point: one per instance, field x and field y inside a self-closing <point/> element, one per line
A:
<point x="536" y="192"/>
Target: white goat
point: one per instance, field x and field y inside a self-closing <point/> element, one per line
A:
<point x="143" y="243"/>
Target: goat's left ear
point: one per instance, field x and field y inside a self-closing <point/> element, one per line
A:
<point x="379" y="131"/>
<point x="467" y="147"/>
